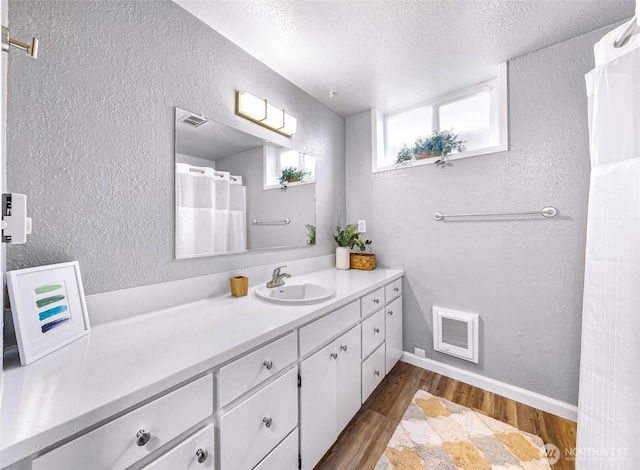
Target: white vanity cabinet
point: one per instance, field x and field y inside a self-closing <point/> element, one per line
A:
<point x="329" y="395"/>
<point x="272" y="398"/>
<point x="128" y="439"/>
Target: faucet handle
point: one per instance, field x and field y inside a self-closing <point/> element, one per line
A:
<point x="276" y="272"/>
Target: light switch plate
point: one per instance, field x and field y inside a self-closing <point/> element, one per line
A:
<point x="362" y="226"/>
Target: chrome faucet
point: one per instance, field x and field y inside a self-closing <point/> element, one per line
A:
<point x="277" y="278"/>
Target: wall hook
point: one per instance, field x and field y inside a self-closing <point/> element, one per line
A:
<point x="31" y="49"/>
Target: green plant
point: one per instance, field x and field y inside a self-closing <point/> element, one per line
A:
<point x="346" y="236"/>
<point x="311" y="234"/>
<point x="291" y="174"/>
<point x="349" y="236"/>
<point x="363" y="244"/>
<point x="438" y="144"/>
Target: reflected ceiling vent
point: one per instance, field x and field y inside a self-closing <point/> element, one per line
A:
<point x="193" y="120"/>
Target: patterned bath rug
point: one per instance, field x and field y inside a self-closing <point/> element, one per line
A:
<point x="435" y="433"/>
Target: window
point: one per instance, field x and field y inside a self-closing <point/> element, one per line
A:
<point x="278" y="158"/>
<point x="478" y="115"/>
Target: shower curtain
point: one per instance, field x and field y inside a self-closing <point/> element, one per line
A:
<point x="609" y="402"/>
<point x="210" y="211"/>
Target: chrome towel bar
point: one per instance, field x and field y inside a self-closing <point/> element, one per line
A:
<point x="547" y="212"/>
<point x="286" y="221"/>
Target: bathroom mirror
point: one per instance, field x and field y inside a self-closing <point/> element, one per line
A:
<point x="232" y="190"/>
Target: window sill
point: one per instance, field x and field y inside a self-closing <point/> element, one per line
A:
<point x="289" y="185"/>
<point x="448" y="158"/>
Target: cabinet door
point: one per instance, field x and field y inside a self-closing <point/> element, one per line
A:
<point x="349" y="377"/>
<point x="318" y="405"/>
<point x="393" y="318"/>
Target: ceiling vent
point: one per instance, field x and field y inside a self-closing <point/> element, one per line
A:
<point x="193" y="120"/>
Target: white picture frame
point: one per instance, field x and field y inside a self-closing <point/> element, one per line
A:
<point x="48" y="308"/>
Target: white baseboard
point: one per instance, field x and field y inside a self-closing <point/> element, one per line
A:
<point x="541" y="402"/>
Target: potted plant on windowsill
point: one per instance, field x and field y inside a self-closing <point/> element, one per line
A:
<point x="292" y="174"/>
<point x="438" y="144"/>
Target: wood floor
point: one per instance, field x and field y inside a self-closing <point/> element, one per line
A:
<point x="365" y="438"/>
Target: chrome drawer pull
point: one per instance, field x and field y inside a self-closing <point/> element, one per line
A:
<point x="377" y="330"/>
<point x="344" y="347"/>
<point x="268" y="364"/>
<point x="202" y="455"/>
<point x="142" y="437"/>
<point x="396" y="289"/>
<point x="377" y="372"/>
<point x="376" y="301"/>
<point x="267" y="422"/>
<point x="390" y="312"/>
<point x="334" y="355"/>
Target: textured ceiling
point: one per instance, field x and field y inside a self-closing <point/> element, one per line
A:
<point x="393" y="54"/>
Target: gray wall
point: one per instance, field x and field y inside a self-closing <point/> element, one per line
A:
<point x="91" y="136"/>
<point x="524" y="277"/>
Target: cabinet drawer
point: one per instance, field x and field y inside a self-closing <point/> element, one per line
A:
<point x="252" y="429"/>
<point x="373" y="331"/>
<point x="283" y="457"/>
<point x="393" y="290"/>
<point x="372" y="302"/>
<point x="242" y="375"/>
<point x="185" y="456"/>
<point x="372" y="372"/>
<point x="113" y="445"/>
<point x="322" y="330"/>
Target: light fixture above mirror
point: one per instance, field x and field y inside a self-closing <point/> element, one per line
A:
<point x="261" y="112"/>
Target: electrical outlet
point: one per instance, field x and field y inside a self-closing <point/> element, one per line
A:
<point x="362" y="226"/>
<point x="419" y="352"/>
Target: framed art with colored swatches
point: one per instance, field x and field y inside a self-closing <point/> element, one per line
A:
<point x="48" y="308"/>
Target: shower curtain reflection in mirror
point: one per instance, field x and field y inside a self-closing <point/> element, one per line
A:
<point x="210" y="212"/>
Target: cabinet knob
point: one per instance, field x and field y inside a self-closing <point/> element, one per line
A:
<point x="376" y="301"/>
<point x="268" y="364"/>
<point x="377" y="330"/>
<point x="202" y="455"/>
<point x="142" y="437"/>
<point x="396" y="289"/>
<point x="377" y="372"/>
<point x="334" y="355"/>
<point x="390" y="312"/>
<point x="267" y="422"/>
<point x="344" y="347"/>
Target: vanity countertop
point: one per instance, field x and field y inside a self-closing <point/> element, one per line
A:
<point x="123" y="363"/>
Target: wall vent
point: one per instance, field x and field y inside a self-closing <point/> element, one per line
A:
<point x="456" y="333"/>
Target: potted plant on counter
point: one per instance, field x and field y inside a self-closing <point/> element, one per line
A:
<point x="292" y="174"/>
<point x="365" y="261"/>
<point x="346" y="238"/>
<point x="438" y="144"/>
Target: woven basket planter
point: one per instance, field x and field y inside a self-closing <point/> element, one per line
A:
<point x="364" y="261"/>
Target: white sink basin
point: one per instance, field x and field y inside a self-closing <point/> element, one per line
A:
<point x="300" y="293"/>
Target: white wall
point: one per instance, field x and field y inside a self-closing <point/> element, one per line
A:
<point x="524" y="277"/>
<point x="91" y="136"/>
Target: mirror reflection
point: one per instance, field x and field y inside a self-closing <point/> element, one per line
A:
<point x="237" y="192"/>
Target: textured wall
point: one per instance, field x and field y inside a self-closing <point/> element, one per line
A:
<point x="524" y="277"/>
<point x="91" y="136"/>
